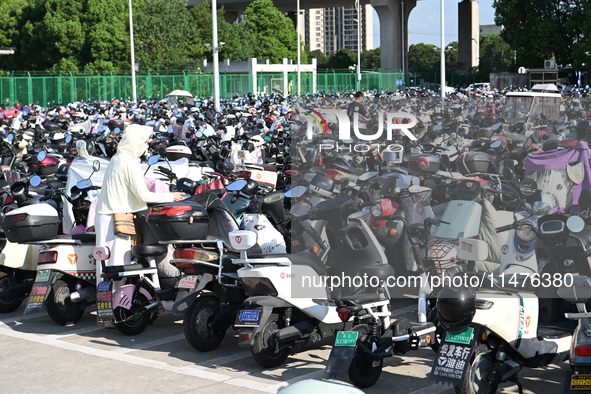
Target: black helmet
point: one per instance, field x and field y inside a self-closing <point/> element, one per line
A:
<point x="467" y="190"/>
<point x="455" y="307"/>
<point x="250" y="189"/>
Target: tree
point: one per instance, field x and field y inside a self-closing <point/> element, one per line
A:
<point x="9" y="29"/>
<point x="451" y="56"/>
<point x="237" y="39"/>
<point x="163" y="35"/>
<point x="321" y="58"/>
<point x="51" y="36"/>
<point x="343" y="58"/>
<point x="423" y="58"/>
<point x="107" y="46"/>
<point x="495" y="56"/>
<point x="273" y="34"/>
<point x="371" y="59"/>
<point x="541" y="29"/>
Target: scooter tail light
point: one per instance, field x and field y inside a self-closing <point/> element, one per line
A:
<point x="344" y="315"/>
<point x="187" y="268"/>
<point x="583" y="351"/>
<point x="243" y="174"/>
<point x="259" y="286"/>
<point x="185" y="253"/>
<point x="49" y="257"/>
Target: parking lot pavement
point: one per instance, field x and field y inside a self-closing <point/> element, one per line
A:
<point x="38" y="355"/>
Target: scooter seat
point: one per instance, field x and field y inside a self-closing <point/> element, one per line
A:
<point x="87" y="238"/>
<point x="360" y="299"/>
<point x="149" y="250"/>
<point x="381" y="271"/>
<point x="579" y="292"/>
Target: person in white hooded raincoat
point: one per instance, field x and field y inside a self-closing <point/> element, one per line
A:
<point x="124" y="190"/>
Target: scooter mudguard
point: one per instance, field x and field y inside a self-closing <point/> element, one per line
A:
<point x="123" y="296"/>
<point x="40" y="290"/>
<point x="181" y="306"/>
<point x="339" y="361"/>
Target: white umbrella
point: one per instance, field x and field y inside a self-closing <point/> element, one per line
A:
<point x="183" y="93"/>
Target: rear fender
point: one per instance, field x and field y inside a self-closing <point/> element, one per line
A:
<point x="268" y="304"/>
<point x="123" y="296"/>
<point x="181" y="306"/>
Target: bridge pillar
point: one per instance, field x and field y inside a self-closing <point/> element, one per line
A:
<point x="393" y="16"/>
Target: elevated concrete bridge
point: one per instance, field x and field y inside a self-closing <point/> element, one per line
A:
<point x="393" y="16"/>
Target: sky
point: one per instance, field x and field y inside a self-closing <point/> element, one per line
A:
<point x="424" y="22"/>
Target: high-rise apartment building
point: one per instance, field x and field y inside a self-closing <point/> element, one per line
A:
<point x="331" y="29"/>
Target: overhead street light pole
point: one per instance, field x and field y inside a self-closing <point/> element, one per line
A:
<point x="133" y="85"/>
<point x="216" y="61"/>
<point x="357" y="5"/>
<point x="442" y="57"/>
<point x="8" y="51"/>
<point x="299" y="49"/>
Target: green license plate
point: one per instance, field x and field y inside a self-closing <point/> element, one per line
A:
<point x="580" y="382"/>
<point x="42" y="276"/>
<point x="346" y="338"/>
<point x="463" y="337"/>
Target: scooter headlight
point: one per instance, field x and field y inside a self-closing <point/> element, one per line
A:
<point x="526" y="233"/>
<point x="376" y="210"/>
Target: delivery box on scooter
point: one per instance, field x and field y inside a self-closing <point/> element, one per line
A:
<point x="183" y="220"/>
<point x="424" y="163"/>
<point x="36" y="222"/>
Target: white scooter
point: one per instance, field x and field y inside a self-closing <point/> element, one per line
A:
<point x="494" y="327"/>
<point x="295" y="300"/>
<point x="66" y="268"/>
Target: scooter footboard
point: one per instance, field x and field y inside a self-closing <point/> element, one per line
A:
<point x="123" y="297"/>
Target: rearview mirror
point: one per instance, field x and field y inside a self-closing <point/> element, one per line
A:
<point x="528" y="186"/>
<point x="236" y="186"/>
<point x="575" y="224"/>
<point x="35" y="181"/>
<point x="296" y="192"/>
<point x="84" y="184"/>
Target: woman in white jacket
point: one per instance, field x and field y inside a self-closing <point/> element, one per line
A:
<point x="124" y="190"/>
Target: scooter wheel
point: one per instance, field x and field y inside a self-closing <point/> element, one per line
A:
<point x="262" y="351"/>
<point x="133" y="323"/>
<point x="196" y="324"/>
<point x="9" y="303"/>
<point x="477" y="379"/>
<point x="60" y="307"/>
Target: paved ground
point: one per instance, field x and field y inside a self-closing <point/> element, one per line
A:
<point x="37" y="355"/>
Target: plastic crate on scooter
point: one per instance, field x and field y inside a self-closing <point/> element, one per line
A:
<point x="473" y="162"/>
<point x="35" y="222"/>
<point x="424" y="162"/>
<point x="183" y="220"/>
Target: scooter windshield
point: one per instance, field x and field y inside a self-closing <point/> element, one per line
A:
<point x="235" y="201"/>
<point x="463" y="218"/>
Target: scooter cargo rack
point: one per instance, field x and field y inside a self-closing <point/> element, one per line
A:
<point x="218" y="245"/>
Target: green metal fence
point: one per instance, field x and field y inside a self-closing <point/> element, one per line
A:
<point x="30" y="87"/>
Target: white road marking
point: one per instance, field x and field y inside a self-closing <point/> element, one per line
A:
<point x="190" y="370"/>
<point x="433" y="389"/>
<point x="149" y="344"/>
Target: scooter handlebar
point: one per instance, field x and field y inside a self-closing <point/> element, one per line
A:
<point x="505" y="228"/>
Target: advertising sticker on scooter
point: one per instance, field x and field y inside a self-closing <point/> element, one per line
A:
<point x="39" y="292"/>
<point x="453" y="357"/>
<point x="104" y="302"/>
